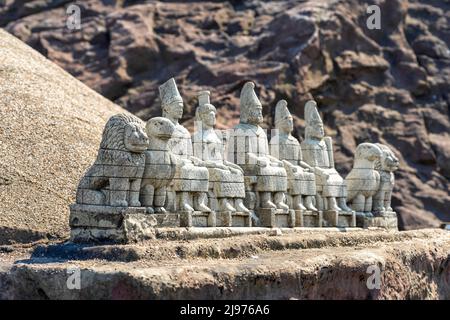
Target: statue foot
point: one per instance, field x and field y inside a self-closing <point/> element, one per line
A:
<point x="149" y="210"/>
<point x="186" y="207"/>
<point x="239" y="205"/>
<point x="333" y="205"/>
<point x="268" y="205"/>
<point x="203" y="208"/>
<point x="160" y="210"/>
<point x="309" y="204"/>
<point x="343" y="205"/>
<point x="284" y="206"/>
<point x="200" y="204"/>
<point x="135" y="204"/>
<point x="225" y="205"/>
<point x="299" y="206"/>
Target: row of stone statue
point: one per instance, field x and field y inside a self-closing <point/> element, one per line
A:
<point x="159" y="166"/>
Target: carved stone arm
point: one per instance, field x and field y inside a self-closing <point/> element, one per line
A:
<point x="304" y="165"/>
<point x="260" y="161"/>
<point x="198" y="162"/>
<point x="232" y="165"/>
<point x="329" y="143"/>
<point x="275" y="160"/>
<point x="289" y="165"/>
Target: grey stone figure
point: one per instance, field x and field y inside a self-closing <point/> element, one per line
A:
<point x="284" y="146"/>
<point x="160" y="165"/>
<point x="363" y="181"/>
<point x="248" y="147"/>
<point x="115" y="177"/>
<point x="318" y="153"/>
<point x="386" y="165"/>
<point x="191" y="178"/>
<point x="226" y="179"/>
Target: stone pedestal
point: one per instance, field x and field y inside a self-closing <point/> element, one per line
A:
<point x="91" y="223"/>
<point x="308" y="218"/>
<point x="332" y="218"/>
<point x="197" y="219"/>
<point x="276" y="218"/>
<point x="233" y="219"/>
<point x="387" y="221"/>
<point x="347" y="219"/>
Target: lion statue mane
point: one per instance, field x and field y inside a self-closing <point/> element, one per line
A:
<point x="386" y="166"/>
<point x="115" y="177"/>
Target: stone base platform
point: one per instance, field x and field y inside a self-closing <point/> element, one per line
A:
<point x="332" y="218"/>
<point x="387" y="221"/>
<point x="233" y="219"/>
<point x="276" y="218"/>
<point x="308" y="218"/>
<point x="197" y="219"/>
<point x="91" y="223"/>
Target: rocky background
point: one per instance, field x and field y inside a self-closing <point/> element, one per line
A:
<point x="389" y="85"/>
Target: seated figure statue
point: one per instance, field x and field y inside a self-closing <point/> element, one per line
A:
<point x="318" y="153"/>
<point x="226" y="179"/>
<point x="190" y="176"/>
<point x="248" y="147"/>
<point x="284" y="146"/>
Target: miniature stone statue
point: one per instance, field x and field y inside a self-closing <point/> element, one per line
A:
<point x="363" y="181"/>
<point x="248" y="147"/>
<point x="301" y="179"/>
<point x="386" y="166"/>
<point x="115" y="177"/>
<point x="190" y="176"/>
<point x="318" y="153"/>
<point x="226" y="179"/>
<point x="160" y="165"/>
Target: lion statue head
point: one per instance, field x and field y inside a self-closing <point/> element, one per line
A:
<point x="388" y="161"/>
<point x="124" y="132"/>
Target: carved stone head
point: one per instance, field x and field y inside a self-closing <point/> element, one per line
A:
<point x="160" y="128"/>
<point x="171" y="100"/>
<point x="251" y="107"/>
<point x="314" y="125"/>
<point x="368" y="151"/>
<point x="388" y="161"/>
<point x="124" y="132"/>
<point x="206" y="112"/>
<point x="283" y="118"/>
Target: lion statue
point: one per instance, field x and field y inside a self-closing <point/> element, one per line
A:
<point x="363" y="181"/>
<point x="160" y="165"/>
<point x="115" y="177"/>
<point x="386" y="166"/>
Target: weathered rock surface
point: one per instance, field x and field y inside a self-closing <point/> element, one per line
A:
<point x="306" y="265"/>
<point x="50" y="129"/>
<point x="389" y="86"/>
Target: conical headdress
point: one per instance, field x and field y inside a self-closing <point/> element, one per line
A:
<point x="169" y="92"/>
<point x="312" y="116"/>
<point x="248" y="96"/>
<point x="203" y="104"/>
<point x="281" y="111"/>
<point x="203" y="97"/>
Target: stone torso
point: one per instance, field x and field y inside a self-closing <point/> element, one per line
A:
<point x="315" y="153"/>
<point x="180" y="143"/>
<point x="249" y="139"/>
<point x="208" y="146"/>
<point x="289" y="149"/>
